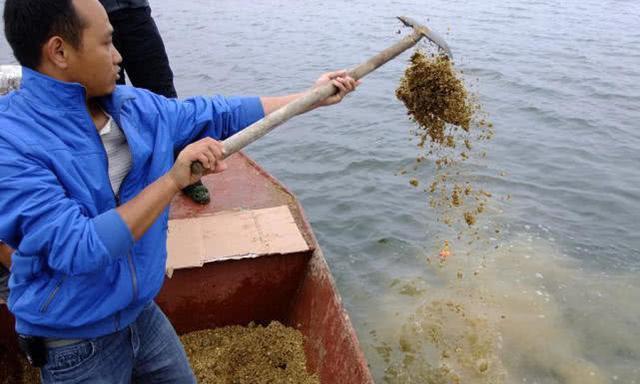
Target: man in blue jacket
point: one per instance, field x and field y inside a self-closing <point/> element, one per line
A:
<point x="86" y="174"/>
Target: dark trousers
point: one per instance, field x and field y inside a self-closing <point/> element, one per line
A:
<point x="144" y="58"/>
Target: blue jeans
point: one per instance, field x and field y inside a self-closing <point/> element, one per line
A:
<point x="147" y="351"/>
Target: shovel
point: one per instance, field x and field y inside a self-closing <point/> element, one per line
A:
<point x="265" y="125"/>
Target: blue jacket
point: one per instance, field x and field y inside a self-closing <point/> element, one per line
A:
<point x="77" y="272"/>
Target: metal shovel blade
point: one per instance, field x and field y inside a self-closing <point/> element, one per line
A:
<point x="428" y="33"/>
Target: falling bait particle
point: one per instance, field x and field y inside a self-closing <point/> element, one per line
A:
<point x="449" y="124"/>
<point x="469" y="218"/>
<point x="445" y="252"/>
<point x="482" y="365"/>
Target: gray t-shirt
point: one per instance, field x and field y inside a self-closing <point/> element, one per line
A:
<point x="118" y="153"/>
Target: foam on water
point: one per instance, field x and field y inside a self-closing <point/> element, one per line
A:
<point x="526" y="313"/>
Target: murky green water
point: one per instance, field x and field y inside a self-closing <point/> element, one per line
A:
<point x="557" y="301"/>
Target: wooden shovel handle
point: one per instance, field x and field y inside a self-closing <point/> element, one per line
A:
<point x="301" y="105"/>
<point x="265" y="125"/>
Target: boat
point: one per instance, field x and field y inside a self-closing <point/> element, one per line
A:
<point x="249" y="256"/>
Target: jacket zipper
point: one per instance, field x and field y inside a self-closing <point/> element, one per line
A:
<point x="134" y="280"/>
<point x="52" y="295"/>
<point x="132" y="267"/>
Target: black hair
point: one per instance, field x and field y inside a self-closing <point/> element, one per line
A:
<point x="28" y="24"/>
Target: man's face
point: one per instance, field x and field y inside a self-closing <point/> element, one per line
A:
<point x="95" y="63"/>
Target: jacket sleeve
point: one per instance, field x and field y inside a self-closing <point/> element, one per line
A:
<point x="37" y="216"/>
<point x="217" y="117"/>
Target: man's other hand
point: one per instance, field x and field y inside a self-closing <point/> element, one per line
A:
<point x="344" y="83"/>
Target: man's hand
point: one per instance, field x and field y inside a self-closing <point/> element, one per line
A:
<point x="140" y="212"/>
<point x="5" y="255"/>
<point x="344" y="83"/>
<point x="208" y="151"/>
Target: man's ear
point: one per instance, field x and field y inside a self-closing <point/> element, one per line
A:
<point x="55" y="50"/>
